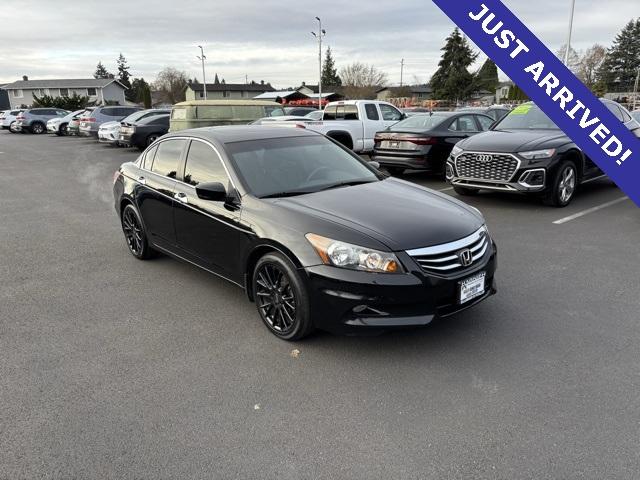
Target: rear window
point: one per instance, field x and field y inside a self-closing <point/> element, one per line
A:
<point x="341" y="112"/>
<point x="110" y="112"/>
<point x="424" y="122"/>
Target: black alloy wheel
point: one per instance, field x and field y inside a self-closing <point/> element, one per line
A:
<point x="37" y="128"/>
<point x="135" y="234"/>
<point x="281" y="298"/>
<point x="63" y="129"/>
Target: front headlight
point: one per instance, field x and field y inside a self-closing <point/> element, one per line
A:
<point x="346" y="255"/>
<point x="536" y="154"/>
<point x="456" y="151"/>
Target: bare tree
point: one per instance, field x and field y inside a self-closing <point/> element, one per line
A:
<point x="171" y="83"/>
<point x="574" y="58"/>
<point x="361" y="80"/>
<point x="590" y="64"/>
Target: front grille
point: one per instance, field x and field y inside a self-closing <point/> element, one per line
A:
<point x="446" y="259"/>
<point x="499" y="167"/>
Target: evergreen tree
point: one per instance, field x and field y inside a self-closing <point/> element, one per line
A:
<point x="138" y="87"/>
<point x="101" y="72"/>
<point x="329" y="71"/>
<point x="146" y="98"/>
<point x="620" y="67"/>
<point x="123" y="71"/>
<point x="452" y="80"/>
<point x="487" y="77"/>
<point x="216" y="80"/>
<point x="517" y="94"/>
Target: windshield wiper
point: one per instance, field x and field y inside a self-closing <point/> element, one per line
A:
<point x="291" y="193"/>
<point x="346" y="184"/>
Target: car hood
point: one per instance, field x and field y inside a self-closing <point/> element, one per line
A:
<point x="511" y="141"/>
<point x="396" y="213"/>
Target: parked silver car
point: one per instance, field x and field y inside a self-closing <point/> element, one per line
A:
<point x="35" y="120"/>
<point x="109" y="132"/>
<point x="96" y="116"/>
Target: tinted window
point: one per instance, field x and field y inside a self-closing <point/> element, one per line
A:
<point x="203" y="165"/>
<point x="295" y="164"/>
<point x="168" y="157"/>
<point x="110" y="112"/>
<point x="390" y="113"/>
<point x="626" y="117"/>
<point x="613" y="108"/>
<point x="485" y="122"/>
<point x="372" y="111"/>
<point x="147" y="161"/>
<point x="465" y="123"/>
<point x="330" y="112"/>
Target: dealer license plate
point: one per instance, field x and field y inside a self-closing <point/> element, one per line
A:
<point x="471" y="288"/>
<point x="394" y="144"/>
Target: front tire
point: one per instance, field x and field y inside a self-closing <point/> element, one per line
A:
<point x="281" y="297"/>
<point x="564" y="186"/>
<point x="38" y="128"/>
<point x="62" y="131"/>
<point x="135" y="234"/>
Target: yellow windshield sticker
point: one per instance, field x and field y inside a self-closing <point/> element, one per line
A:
<point x="521" y="110"/>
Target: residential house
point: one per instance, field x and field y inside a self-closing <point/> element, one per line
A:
<point x="502" y="92"/>
<point x="99" y="90"/>
<point x="218" y="90"/>
<point x="418" y="93"/>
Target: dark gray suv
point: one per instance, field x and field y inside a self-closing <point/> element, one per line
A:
<point x="94" y="117"/>
<point x="34" y="120"/>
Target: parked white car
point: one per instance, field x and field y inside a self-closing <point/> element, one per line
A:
<point x="354" y="123"/>
<point x="59" y="125"/>
<point x="109" y="132"/>
<point x="9" y="118"/>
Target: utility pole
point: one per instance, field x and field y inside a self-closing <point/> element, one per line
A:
<point x="321" y="33"/>
<point x="568" y="47"/>
<point x="202" y="58"/>
<point x="401" y="71"/>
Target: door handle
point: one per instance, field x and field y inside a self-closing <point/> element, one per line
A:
<point x="142" y="180"/>
<point x="181" y="197"/>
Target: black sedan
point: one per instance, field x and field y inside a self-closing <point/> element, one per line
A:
<point x="424" y="141"/>
<point x="144" y="132"/>
<point x="316" y="236"/>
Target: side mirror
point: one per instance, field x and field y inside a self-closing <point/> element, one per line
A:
<point x="375" y="165"/>
<point x="213" y="191"/>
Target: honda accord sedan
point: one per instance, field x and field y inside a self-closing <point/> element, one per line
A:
<point x="317" y="237"/>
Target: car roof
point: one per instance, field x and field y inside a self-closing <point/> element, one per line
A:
<point x="191" y="103"/>
<point x="242" y="133"/>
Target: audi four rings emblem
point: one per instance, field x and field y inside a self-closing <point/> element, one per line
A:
<point x="484" y="158"/>
<point x="465" y="256"/>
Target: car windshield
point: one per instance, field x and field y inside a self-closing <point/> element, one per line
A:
<point x="526" y="117"/>
<point x="280" y="167"/>
<point x="420" y="122"/>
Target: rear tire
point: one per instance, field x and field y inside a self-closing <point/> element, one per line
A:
<point x="11" y="127"/>
<point x="281" y="297"/>
<point x="563" y="187"/>
<point x="466" y="191"/>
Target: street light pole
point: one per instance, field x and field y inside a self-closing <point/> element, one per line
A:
<point x="568" y="46"/>
<point x="202" y="58"/>
<point x="321" y="33"/>
<point x="401" y="71"/>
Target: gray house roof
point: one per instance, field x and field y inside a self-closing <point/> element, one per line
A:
<point x="232" y="87"/>
<point x="65" y="83"/>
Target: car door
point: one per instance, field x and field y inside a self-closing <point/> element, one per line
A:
<point x="154" y="194"/>
<point x="208" y="231"/>
<point x="390" y="115"/>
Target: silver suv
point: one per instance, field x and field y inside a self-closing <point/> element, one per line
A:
<point x="34" y="120"/>
<point x="96" y="116"/>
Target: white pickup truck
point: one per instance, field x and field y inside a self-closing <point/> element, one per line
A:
<point x="354" y="123"/>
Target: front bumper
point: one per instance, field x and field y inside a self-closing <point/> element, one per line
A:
<point x="531" y="176"/>
<point x="108" y="136"/>
<point x="53" y="128"/>
<point x="347" y="301"/>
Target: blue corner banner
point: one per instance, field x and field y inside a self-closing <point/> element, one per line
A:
<point x="552" y="86"/>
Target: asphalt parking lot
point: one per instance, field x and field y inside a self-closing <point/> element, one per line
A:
<point x="115" y="368"/>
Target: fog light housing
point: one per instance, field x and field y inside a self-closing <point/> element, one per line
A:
<point x="449" y="171"/>
<point x="533" y="179"/>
